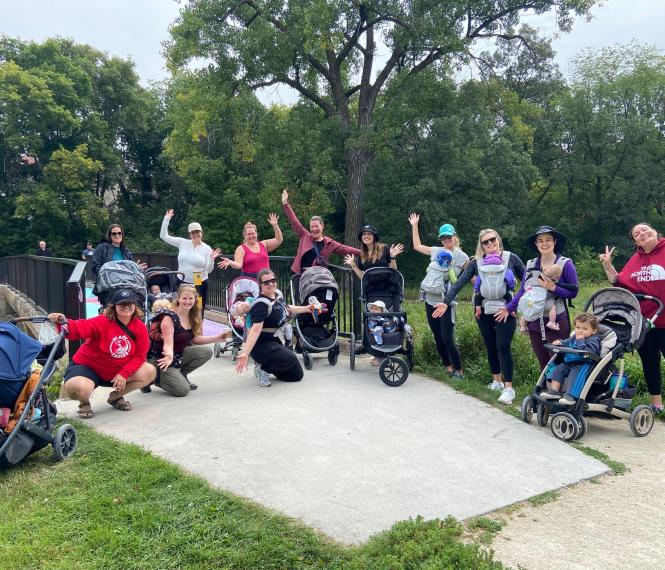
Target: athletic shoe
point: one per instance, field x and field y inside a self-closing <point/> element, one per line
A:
<point x="495" y="385"/>
<point x="262" y="377"/>
<point x="456" y="375"/>
<point x="567" y="399"/>
<point x="146" y="389"/>
<point x="507" y="396"/>
<point x="192" y="386"/>
<point x="656" y="409"/>
<point x="550" y="395"/>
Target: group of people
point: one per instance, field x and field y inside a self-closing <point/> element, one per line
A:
<point x="121" y="354"/>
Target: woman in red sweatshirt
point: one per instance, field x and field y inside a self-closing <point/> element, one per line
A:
<point x="645" y="273"/>
<point x="113" y="355"/>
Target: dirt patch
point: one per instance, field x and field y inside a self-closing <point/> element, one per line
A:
<point x="612" y="522"/>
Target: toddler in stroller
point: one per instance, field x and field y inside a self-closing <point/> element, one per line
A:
<point x="379" y="325"/>
<point x="602" y="390"/>
<point x="27" y="421"/>
<point x="162" y="283"/>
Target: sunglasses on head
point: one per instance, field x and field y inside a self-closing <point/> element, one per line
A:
<point x="116" y="233"/>
<point x="488" y="240"/>
<point x="269" y="281"/>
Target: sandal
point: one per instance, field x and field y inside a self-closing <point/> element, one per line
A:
<point x="120" y="404"/>
<point x="85" y="411"/>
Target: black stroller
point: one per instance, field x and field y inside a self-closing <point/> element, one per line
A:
<point x="606" y="392"/>
<point x="317" y="333"/>
<point x="166" y="279"/>
<point x="385" y="285"/>
<point x="34" y="427"/>
<point x="116" y="275"/>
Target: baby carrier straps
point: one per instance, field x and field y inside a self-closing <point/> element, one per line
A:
<point x="271" y="304"/>
<point x="534" y="305"/>
<point x="493" y="288"/>
<point x="438" y="280"/>
<point x="155" y="331"/>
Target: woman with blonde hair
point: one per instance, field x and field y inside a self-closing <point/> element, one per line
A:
<point x="497" y="327"/>
<point x="252" y="255"/>
<point x="176" y="343"/>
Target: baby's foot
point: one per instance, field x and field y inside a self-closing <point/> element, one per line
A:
<point x="552" y="325"/>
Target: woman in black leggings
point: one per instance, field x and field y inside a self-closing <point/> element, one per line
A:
<point x="443" y="328"/>
<point x="497" y="329"/>
<point x="268" y="313"/>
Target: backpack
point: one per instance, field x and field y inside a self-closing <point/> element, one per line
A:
<point x="493" y="285"/>
<point x="536" y="300"/>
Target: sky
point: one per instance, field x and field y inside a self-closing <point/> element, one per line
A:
<point x="136" y="29"/>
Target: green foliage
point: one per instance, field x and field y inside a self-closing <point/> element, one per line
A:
<point x="544" y="498"/>
<point x="617" y="467"/>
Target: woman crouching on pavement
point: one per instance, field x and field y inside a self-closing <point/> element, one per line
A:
<point x="113" y="354"/>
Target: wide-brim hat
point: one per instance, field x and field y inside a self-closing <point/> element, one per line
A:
<point x="193" y="227"/>
<point x="123" y="296"/>
<point x="368" y="228"/>
<point x="561" y="239"/>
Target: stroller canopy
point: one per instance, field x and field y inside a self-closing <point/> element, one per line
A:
<point x="314" y="278"/>
<point x="115" y="275"/>
<point x="241" y="288"/>
<point x="383" y="284"/>
<point x="162" y="276"/>
<point x="619" y="309"/>
<point x="17" y="352"/>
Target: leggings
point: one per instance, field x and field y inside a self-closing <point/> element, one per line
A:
<point x="650" y="351"/>
<point x="275" y="358"/>
<point x="498" y="337"/>
<point x="443" y="330"/>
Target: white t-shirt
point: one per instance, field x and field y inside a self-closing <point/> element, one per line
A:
<point x="458" y="261"/>
<point x="190" y="258"/>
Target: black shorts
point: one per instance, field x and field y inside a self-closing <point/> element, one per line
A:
<point x="80" y="370"/>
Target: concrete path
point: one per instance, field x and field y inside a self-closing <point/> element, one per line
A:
<point x="343" y="452"/>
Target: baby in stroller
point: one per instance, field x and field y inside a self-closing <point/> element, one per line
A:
<point x="573" y="371"/>
<point x="379" y="325"/>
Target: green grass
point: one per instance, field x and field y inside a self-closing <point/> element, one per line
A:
<point x="544" y="498"/>
<point x="113" y="505"/>
<point x="617" y="467"/>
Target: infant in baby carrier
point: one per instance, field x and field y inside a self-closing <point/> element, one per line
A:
<point x="553" y="272"/>
<point x="242" y="320"/>
<point x="378" y="325"/>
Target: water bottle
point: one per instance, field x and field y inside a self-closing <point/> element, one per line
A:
<point x="314" y="302"/>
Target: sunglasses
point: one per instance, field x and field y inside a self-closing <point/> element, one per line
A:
<point x="116" y="233"/>
<point x="272" y="281"/>
<point x="488" y="241"/>
<point x="444" y="238"/>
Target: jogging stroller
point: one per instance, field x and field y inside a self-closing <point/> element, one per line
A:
<point x="167" y="281"/>
<point x="317" y="332"/>
<point x="28" y="418"/>
<point x="116" y="275"/>
<point x="240" y="289"/>
<point x="386" y="285"/>
<point x="606" y="392"/>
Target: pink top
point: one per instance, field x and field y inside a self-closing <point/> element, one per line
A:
<point x="254" y="262"/>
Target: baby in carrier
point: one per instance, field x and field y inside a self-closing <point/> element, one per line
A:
<point x="242" y="320"/>
<point x="378" y="325"/>
<point x="439" y="275"/>
<point x="493" y="286"/>
<point x="569" y="372"/>
<point x="554" y="273"/>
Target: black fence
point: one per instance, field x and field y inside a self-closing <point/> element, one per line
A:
<point x="348" y="308"/>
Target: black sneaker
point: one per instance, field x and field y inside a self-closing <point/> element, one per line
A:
<point x="550" y="395"/>
<point x="192" y="386"/>
<point x="146" y="389"/>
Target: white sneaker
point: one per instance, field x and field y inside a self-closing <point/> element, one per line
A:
<point x="507" y="396"/>
<point x="262" y="377"/>
<point x="495" y="385"/>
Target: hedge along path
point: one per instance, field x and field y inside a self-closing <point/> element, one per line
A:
<point x="615" y="521"/>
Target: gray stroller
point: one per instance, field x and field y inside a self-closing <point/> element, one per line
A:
<point x="606" y="392"/>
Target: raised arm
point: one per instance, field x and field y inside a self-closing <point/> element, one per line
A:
<point x="414" y="219"/>
<point x="274" y="243"/>
<point x="296" y="226"/>
<point x="164" y="230"/>
<point x="606" y="260"/>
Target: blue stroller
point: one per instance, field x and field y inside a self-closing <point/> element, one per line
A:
<point x="35" y="426"/>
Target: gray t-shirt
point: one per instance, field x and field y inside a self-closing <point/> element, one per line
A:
<point x="459" y="259"/>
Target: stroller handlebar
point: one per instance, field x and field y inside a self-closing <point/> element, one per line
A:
<point x="656" y="300"/>
<point x="40" y="319"/>
<point x="568" y="350"/>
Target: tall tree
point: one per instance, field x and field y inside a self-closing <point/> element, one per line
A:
<point x="329" y="52"/>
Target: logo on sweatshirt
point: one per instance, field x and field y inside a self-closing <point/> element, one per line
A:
<point x="120" y="346"/>
<point x="652" y="272"/>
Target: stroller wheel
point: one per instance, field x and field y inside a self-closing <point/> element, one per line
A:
<point x="641" y="421"/>
<point x="542" y="414"/>
<point x="307" y="360"/>
<point x="352" y="351"/>
<point x="217" y="350"/>
<point x="65" y="442"/>
<point x="526" y="409"/>
<point x="333" y="354"/>
<point x="581" y="431"/>
<point x="234" y="354"/>
<point x="393" y="371"/>
<point x="564" y="426"/>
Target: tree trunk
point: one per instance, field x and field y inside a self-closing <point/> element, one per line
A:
<point x="358" y="161"/>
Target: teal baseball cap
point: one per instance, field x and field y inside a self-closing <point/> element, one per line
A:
<point x="446" y="230"/>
